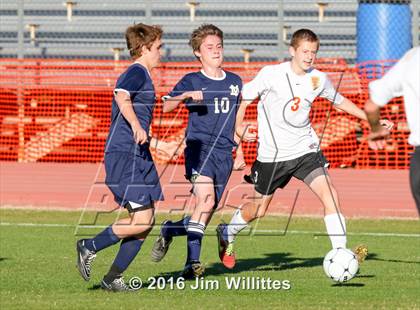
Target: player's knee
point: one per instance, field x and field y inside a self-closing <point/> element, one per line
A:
<point x="328" y="193"/>
<point x="207" y="204"/>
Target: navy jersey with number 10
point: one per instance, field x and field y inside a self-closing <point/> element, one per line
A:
<point x="212" y="121"/>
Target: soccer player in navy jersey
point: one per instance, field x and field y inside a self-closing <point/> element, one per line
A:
<point x="211" y="96"/>
<point x="130" y="172"/>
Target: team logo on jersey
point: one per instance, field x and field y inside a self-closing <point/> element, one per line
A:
<point x="234" y="90"/>
<point x="315" y="82"/>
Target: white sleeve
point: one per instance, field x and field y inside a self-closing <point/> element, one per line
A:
<point x="330" y="93"/>
<point x="116" y="90"/>
<point x="257" y="86"/>
<point x="389" y="86"/>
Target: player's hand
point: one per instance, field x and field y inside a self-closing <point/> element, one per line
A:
<point x="386" y="123"/>
<point x="239" y="163"/>
<point x="139" y="135"/>
<point x="377" y="138"/>
<point x="196" y="95"/>
<point x="248" y="133"/>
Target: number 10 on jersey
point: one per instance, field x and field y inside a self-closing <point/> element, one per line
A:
<point x="224" y="105"/>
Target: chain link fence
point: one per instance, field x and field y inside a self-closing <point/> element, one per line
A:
<point x="59" y="62"/>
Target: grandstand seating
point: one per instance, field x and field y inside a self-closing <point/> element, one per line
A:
<point x="96" y="27"/>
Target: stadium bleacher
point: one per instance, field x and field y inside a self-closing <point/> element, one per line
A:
<point x="95" y="28"/>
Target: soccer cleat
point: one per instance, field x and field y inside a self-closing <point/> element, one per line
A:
<point x="117" y="285"/>
<point x="161" y="246"/>
<point x="192" y="271"/>
<point x="361" y="252"/>
<point x="84" y="259"/>
<point x="226" y="253"/>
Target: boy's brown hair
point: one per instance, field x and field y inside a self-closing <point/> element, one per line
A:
<point x="303" y="35"/>
<point x="140" y="35"/>
<point x="199" y="34"/>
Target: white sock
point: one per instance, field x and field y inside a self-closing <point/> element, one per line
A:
<point x="237" y="223"/>
<point x="336" y="229"/>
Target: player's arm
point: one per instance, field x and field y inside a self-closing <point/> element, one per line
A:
<point x="250" y="91"/>
<point x="348" y="106"/>
<point x="171" y="103"/>
<point x="126" y="108"/>
<point x="380" y="93"/>
<point x="246" y="132"/>
<point x="379" y="133"/>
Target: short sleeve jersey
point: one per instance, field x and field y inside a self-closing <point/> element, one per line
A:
<point x="137" y="83"/>
<point x="402" y="79"/>
<point x="212" y="121"/>
<point x="284" y="128"/>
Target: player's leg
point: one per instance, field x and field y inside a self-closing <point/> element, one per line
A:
<point x="87" y="248"/>
<point x="312" y="169"/>
<point x="335" y="223"/>
<point x="320" y="183"/>
<point x="267" y="177"/>
<point x="415" y="177"/>
<point x="241" y="218"/>
<point x="168" y="230"/>
<point x="171" y="229"/>
<point x="133" y="231"/>
<point x="204" y="193"/>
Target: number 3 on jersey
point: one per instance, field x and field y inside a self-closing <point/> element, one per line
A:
<point x="296" y="102"/>
<point x="224" y="105"/>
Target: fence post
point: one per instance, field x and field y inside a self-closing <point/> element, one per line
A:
<point x="280" y="16"/>
<point x="20" y="100"/>
<point x="415" y="9"/>
<point x="148" y="11"/>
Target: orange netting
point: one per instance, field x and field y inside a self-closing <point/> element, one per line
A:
<point x="59" y="111"/>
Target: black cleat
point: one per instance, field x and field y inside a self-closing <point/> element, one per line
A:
<point x="195" y="270"/>
<point x="161" y="246"/>
<point x="117" y="285"/>
<point x="84" y="259"/>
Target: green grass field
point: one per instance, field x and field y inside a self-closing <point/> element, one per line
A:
<point x="37" y="264"/>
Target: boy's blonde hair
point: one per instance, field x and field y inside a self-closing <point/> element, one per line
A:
<point x="199" y="34"/>
<point x="140" y="35"/>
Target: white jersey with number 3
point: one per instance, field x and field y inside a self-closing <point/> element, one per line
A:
<point x="284" y="128"/>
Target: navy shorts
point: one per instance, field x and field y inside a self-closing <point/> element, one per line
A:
<point x="215" y="164"/>
<point x="132" y="178"/>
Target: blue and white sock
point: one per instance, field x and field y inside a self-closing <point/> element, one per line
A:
<point x="102" y="240"/>
<point x="195" y="232"/>
<point x="129" y="249"/>
<point x="175" y="229"/>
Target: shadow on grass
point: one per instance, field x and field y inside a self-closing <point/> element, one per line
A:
<point x="365" y="276"/>
<point x="3" y="259"/>
<point x="374" y="256"/>
<point x="348" y="285"/>
<point x="95" y="287"/>
<point x="270" y="262"/>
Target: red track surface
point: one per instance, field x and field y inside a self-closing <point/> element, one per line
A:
<point x="363" y="193"/>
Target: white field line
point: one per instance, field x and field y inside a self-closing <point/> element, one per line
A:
<point x="254" y="231"/>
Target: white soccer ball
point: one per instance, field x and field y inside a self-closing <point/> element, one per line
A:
<point x="340" y="265"/>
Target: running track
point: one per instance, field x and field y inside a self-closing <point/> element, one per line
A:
<point x="363" y="193"/>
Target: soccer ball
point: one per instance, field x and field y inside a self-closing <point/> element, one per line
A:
<point x="340" y="265"/>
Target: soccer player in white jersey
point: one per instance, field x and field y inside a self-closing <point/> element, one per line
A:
<point x="287" y="144"/>
<point x="402" y="79"/>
